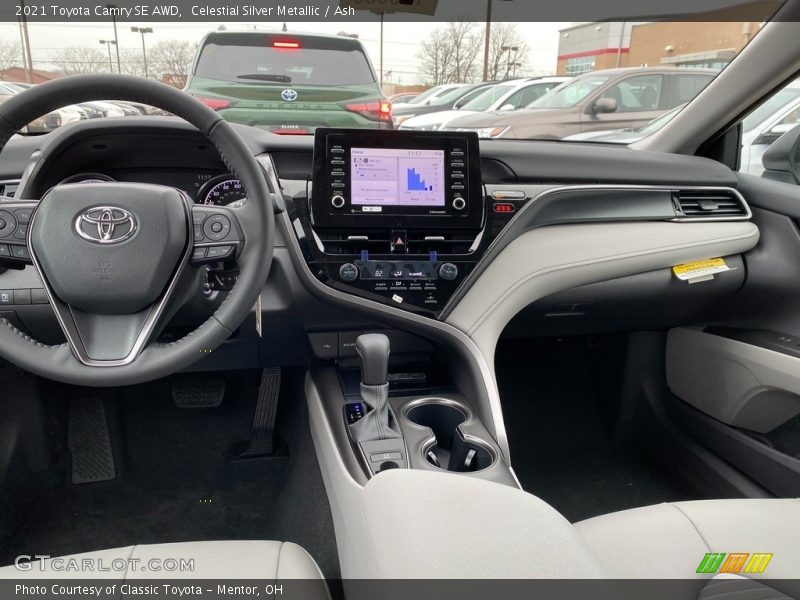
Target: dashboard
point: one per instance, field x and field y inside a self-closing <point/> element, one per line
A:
<point x="340" y="222"/>
<point x="209" y="187"/>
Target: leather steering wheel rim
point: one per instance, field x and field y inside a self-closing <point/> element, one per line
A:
<point x="256" y="217"/>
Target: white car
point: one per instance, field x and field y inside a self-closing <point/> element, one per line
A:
<point x="505" y="96"/>
<point x="766" y="124"/>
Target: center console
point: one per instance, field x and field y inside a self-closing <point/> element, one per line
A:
<point x="395" y="217"/>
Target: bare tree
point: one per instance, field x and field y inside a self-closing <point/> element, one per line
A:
<point x="435" y="56"/>
<point x="450" y="54"/>
<point x="10" y="54"/>
<point x="132" y="61"/>
<point x="171" y="60"/>
<point x="78" y="59"/>
<point x="508" y="52"/>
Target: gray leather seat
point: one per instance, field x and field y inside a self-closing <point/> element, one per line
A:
<point x="669" y="540"/>
<point x="244" y="559"/>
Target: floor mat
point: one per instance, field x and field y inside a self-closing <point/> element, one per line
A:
<point x="176" y="482"/>
<point x="560" y="430"/>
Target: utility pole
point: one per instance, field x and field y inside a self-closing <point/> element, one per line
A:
<point x="116" y="39"/>
<point x="487" y="36"/>
<point x="142" y="31"/>
<point x="26" y="44"/>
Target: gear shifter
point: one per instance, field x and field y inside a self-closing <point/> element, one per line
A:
<point x="379" y="423"/>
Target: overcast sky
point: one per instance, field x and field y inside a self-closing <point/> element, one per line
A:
<point x="401" y="40"/>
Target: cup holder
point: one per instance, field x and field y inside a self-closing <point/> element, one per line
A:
<point x="451" y="450"/>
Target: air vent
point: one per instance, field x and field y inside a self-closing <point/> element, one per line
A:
<point x="710" y="203"/>
<point x="378" y="241"/>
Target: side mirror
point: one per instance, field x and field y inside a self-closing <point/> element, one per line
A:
<point x="782" y="128"/>
<point x="605" y="105"/>
<point x="508" y="107"/>
<point x="782" y="159"/>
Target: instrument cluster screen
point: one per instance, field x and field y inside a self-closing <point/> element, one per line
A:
<point x="397" y="177"/>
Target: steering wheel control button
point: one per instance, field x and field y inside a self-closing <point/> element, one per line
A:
<point x="219" y="251"/>
<point x="198" y="234"/>
<point x="198" y="217"/>
<point x="199" y="254"/>
<point x="39" y="296"/>
<point x="22" y="231"/>
<point x="7" y="223"/>
<point x="23" y="214"/>
<point x="4" y="251"/>
<point x="217" y="227"/>
<point x="20" y="252"/>
<point x="348" y="272"/>
<point x="448" y="272"/>
<point x="22" y="296"/>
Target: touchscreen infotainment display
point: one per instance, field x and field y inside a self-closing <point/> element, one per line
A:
<point x="397" y="177"/>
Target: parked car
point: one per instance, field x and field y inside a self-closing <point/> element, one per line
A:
<point x="760" y="129"/>
<point x="402" y="97"/>
<point x="505" y="96"/>
<point x="128" y="110"/>
<point x="288" y="83"/>
<point x="449" y="100"/>
<point x="625" y="136"/>
<point x="428" y="95"/>
<point x="615" y="98"/>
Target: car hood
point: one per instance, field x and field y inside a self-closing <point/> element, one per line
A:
<point x="442" y="117"/>
<point x="500" y="118"/>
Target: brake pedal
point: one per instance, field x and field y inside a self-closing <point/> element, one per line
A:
<point x="89" y="442"/>
<point x="198" y="393"/>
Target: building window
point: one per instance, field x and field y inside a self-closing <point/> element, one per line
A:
<point x="579" y="66"/>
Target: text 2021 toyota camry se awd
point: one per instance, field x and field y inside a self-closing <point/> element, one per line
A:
<point x="400" y="355"/>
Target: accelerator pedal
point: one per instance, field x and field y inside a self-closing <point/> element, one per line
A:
<point x="89" y="442"/>
<point x="262" y="443"/>
<point x="198" y="393"/>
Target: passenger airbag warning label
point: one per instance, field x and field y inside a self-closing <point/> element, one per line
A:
<point x="701" y="270"/>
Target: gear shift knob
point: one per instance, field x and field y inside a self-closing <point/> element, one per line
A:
<point x="373" y="350"/>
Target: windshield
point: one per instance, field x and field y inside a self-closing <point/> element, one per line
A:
<point x="571" y="93"/>
<point x="487" y="98"/>
<point x="293" y="74"/>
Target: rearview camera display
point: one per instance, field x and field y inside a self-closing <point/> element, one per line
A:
<point x="395" y="177"/>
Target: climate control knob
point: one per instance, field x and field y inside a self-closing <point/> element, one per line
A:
<point x="348" y="272"/>
<point x="337" y="201"/>
<point x="459" y="203"/>
<point x="448" y="271"/>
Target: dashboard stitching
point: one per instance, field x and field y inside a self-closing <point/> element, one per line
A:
<point x="566" y="266"/>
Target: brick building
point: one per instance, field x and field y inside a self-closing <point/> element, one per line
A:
<point x="594" y="46"/>
<point x="689" y="44"/>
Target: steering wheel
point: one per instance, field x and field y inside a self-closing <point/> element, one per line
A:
<point x="114" y="257"/>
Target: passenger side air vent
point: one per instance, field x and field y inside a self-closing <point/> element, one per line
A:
<point x="378" y="241"/>
<point x="710" y="203"/>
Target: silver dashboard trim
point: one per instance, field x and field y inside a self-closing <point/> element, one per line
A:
<point x="455" y="334"/>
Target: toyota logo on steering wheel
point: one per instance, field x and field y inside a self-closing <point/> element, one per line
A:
<point x="105" y="225"/>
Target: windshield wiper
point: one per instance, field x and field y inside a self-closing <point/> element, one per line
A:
<point x="266" y="77"/>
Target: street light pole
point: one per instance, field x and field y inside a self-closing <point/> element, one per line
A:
<point x="142" y="31"/>
<point x="116" y="38"/>
<point x="487" y="36"/>
<point x="108" y="44"/>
